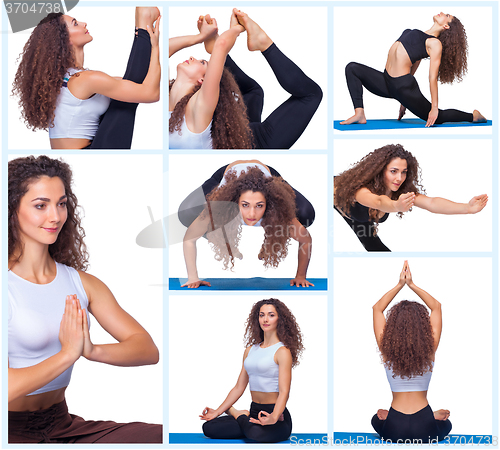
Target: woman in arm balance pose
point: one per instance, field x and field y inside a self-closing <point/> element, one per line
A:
<point x="247" y="192"/>
<point x="274" y="345"/>
<point x="385" y="181"/>
<point x="50" y="297"/>
<point x="408" y="341"/>
<point x="446" y="45"/>
<point x="214" y="104"/>
<point x="85" y="108"/>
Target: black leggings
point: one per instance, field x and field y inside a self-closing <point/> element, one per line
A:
<point x="364" y="231"/>
<point x="404" y="89"/>
<point x="117" y="124"/>
<point x="420" y="426"/>
<point x="227" y="427"/>
<point x="287" y="122"/>
<point x="194" y="203"/>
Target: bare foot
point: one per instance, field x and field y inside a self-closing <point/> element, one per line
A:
<point x="236" y="412"/>
<point x="257" y="39"/>
<point x="382" y="414"/>
<point x="478" y="117"/>
<point x="209" y="43"/>
<point x="146" y="15"/>
<point x="359" y="117"/>
<point x="441" y="414"/>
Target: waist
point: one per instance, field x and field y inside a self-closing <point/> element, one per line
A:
<point x="69" y="143"/>
<point x="409" y="402"/>
<point x="37" y="402"/>
<point x="264" y="397"/>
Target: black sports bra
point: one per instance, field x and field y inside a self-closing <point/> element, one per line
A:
<point x="361" y="213"/>
<point x="414" y="43"/>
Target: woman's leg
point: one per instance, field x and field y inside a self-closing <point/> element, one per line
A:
<point x="278" y="432"/>
<point x="117" y="124"/>
<point x="225" y="427"/>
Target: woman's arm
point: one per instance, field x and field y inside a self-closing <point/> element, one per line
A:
<point x="207" y="31"/>
<point x="135" y="346"/>
<point x="26" y="380"/>
<point x="383" y="202"/>
<point x="435" y="307"/>
<point x="438" y="205"/>
<point x="232" y="397"/>
<point x="435" y="48"/>
<point x="283" y="358"/>
<point x="196" y="230"/>
<point x="383" y="303"/>
<point x="299" y="233"/>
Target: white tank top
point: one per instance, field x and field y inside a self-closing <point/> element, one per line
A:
<point x="413" y="384"/>
<point x="35" y="313"/>
<point x="263" y="372"/>
<point x="76" y="118"/>
<point x="189" y="140"/>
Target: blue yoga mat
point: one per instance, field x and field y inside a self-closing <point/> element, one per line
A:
<point x="250" y="284"/>
<point x="391" y="124"/>
<point x="199" y="438"/>
<point x="345" y="439"/>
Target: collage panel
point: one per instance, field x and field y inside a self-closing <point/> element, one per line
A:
<point x="462" y="376"/>
<point x="211" y="352"/>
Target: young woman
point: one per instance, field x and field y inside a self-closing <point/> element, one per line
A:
<point x="205" y="107"/>
<point x="408" y="341"/>
<point x="385" y="181"/>
<point x="446" y="45"/>
<point x="274" y="345"/>
<point x="85" y="108"/>
<point x="247" y="192"/>
<point x="50" y="297"/>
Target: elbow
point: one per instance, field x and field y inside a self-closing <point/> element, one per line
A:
<point x="221" y="45"/>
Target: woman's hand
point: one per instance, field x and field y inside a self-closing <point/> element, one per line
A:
<point x="402" y="111"/>
<point x="88" y="347"/>
<point x="194" y="284"/>
<point x="71" y="329"/>
<point x="154" y="33"/>
<point x="433" y="115"/>
<point x="207" y="26"/>
<point x="300" y="282"/>
<point x="264" y="418"/>
<point x="405" y="202"/>
<point x="477" y="203"/>
<point x="405" y="275"/>
<point x="209" y="414"/>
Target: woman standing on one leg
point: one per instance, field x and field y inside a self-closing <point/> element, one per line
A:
<point x="274" y="345"/>
<point x="446" y="45"/>
<point x="85" y="108"/>
<point x="408" y="341"/>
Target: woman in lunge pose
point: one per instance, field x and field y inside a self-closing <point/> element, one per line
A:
<point x="446" y="45"/>
<point x="214" y="104"/>
<point x="385" y="181"/>
<point x="408" y="341"/>
<point x="247" y="192"/>
<point x="85" y="108"/>
<point x="274" y="345"/>
<point x="50" y="297"/>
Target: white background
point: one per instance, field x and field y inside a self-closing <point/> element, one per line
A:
<point x="306" y="174"/>
<point x="112" y="29"/>
<point x="462" y="376"/>
<point x="364" y="35"/>
<point x="290" y="28"/>
<point x="453" y="169"/>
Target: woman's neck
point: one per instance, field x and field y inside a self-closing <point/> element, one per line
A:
<point x="270" y="339"/>
<point x="79" y="56"/>
<point x="435" y="30"/>
<point x="179" y="90"/>
<point x="35" y="264"/>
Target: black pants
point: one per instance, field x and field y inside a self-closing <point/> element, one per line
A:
<point x="287" y="122"/>
<point x="404" y="89"/>
<point x="418" y="426"/>
<point x="227" y="427"/>
<point x="193" y="204"/>
<point x="364" y="231"/>
<point x="117" y="124"/>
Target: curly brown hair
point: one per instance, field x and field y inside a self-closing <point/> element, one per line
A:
<point x="369" y="173"/>
<point x="69" y="247"/>
<point x="453" y="65"/>
<point x="407" y="345"/>
<point x="288" y="329"/>
<point x="45" y="59"/>
<point x="279" y="214"/>
<point x="230" y="126"/>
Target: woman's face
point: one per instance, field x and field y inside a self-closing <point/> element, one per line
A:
<point x="395" y="174"/>
<point x="443" y="19"/>
<point x="268" y="318"/>
<point x="194" y="68"/>
<point x="78" y="33"/>
<point x="42" y="211"/>
<point x="252" y="207"/>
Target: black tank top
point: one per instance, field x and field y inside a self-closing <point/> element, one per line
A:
<point x="414" y="43"/>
